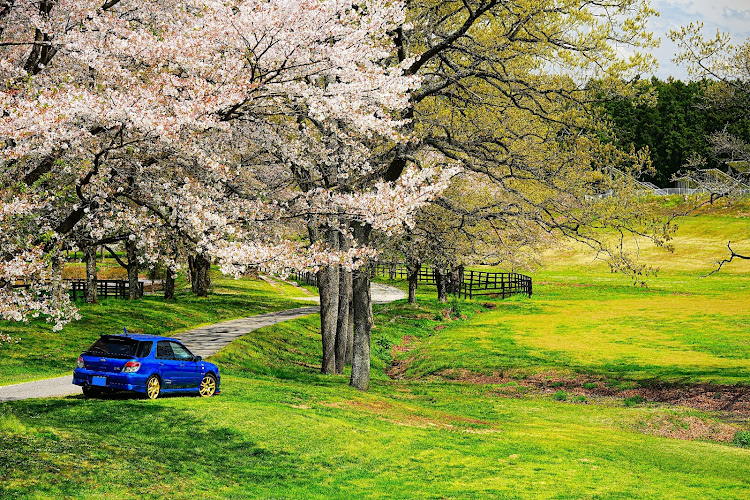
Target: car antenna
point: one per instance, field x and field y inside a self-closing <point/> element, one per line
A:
<point x="125" y="329"/>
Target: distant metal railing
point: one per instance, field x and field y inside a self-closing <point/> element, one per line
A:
<point x="104" y="288"/>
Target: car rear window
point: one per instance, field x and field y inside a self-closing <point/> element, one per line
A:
<point x="115" y="346"/>
<point x="144" y="348"/>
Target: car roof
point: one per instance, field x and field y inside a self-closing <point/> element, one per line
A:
<point x="138" y="336"/>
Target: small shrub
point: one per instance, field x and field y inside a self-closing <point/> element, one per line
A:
<point x="383" y="350"/>
<point x="558" y="384"/>
<point x="590" y="385"/>
<point x="580" y="399"/>
<point x="560" y="396"/>
<point x="742" y="439"/>
<point x="633" y="401"/>
<point x="384" y="343"/>
<point x="456" y="306"/>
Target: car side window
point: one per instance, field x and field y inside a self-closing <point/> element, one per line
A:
<point x="164" y="350"/>
<point x="144" y="349"/>
<point x="181" y="352"/>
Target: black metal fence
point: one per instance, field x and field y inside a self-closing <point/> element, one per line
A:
<point x="395" y="272"/>
<point x="104" y="288"/>
<point x="306" y="278"/>
<point x="470" y="283"/>
<point x="501" y="284"/>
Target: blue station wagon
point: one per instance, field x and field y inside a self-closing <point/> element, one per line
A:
<point x="148" y="364"/>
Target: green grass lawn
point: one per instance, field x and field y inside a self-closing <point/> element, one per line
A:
<point x="43" y="353"/>
<point x="280" y="429"/>
<point x="288" y="432"/>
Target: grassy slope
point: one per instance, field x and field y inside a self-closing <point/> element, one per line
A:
<point x="43" y="353"/>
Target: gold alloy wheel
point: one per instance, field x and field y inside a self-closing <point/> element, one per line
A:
<point x="208" y="386"/>
<point x="153" y="387"/>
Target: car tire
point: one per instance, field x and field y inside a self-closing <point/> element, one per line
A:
<point x="207" y="388"/>
<point x="91" y="392"/>
<point x="153" y="387"/>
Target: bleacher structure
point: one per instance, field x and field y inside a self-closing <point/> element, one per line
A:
<point x="706" y="181"/>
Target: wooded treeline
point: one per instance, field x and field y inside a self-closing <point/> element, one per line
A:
<point x="676" y="124"/>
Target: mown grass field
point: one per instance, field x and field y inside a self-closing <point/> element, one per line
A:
<point x="282" y="430"/>
<point x="596" y="324"/>
<point x="687" y="325"/>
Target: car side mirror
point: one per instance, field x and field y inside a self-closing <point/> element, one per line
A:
<point x="198" y="358"/>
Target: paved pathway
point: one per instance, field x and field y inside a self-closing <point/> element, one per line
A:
<point x="202" y="341"/>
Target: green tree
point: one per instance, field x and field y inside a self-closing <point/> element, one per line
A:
<point x="729" y="66"/>
<point x="675" y="126"/>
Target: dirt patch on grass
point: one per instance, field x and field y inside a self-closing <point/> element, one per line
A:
<point x="732" y="403"/>
<point x="689" y="428"/>
<point x="406" y="345"/>
<point x="399" y="366"/>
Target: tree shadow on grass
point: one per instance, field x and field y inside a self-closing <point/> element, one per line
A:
<point x="60" y="447"/>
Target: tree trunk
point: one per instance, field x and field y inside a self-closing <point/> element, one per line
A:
<point x="91" y="258"/>
<point x="413" y="267"/>
<point x="350" y="334"/>
<point x="453" y="284"/>
<point x="201" y="277"/>
<point x="191" y="271"/>
<point x="169" y="284"/>
<point x="440" y="281"/>
<point x="328" y="289"/>
<point x="360" y="378"/>
<point x="58" y="263"/>
<point x="343" y="331"/>
<point x="134" y="290"/>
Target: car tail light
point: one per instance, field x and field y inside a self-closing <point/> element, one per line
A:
<point x="80" y="362"/>
<point x="131" y="367"/>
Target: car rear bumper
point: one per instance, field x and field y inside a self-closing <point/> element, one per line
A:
<point x="115" y="381"/>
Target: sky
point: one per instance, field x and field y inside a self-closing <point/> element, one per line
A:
<point x="731" y="16"/>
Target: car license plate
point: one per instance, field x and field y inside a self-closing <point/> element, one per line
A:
<point x="102" y="381"/>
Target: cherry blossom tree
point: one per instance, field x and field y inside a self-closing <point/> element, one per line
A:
<point x="186" y="114"/>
